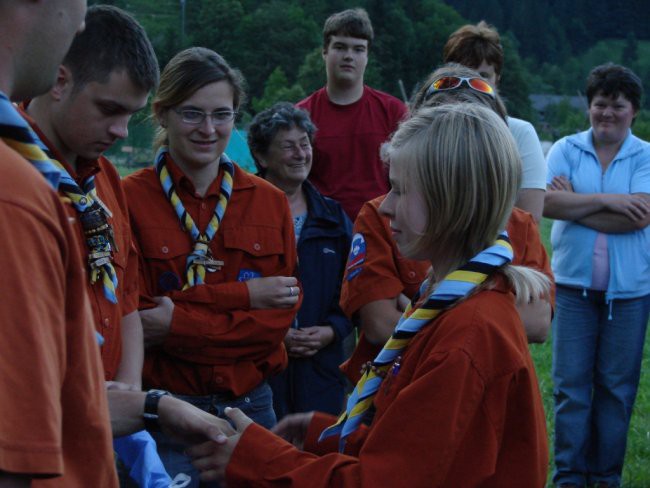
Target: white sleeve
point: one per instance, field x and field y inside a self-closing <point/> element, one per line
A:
<point x="531" y="153"/>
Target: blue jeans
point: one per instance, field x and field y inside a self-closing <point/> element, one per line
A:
<point x="257" y="404"/>
<point x="597" y="351"/>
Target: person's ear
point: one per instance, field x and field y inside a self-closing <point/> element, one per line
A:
<point x="63" y="84"/>
<point x="161" y="115"/>
<point x="261" y="160"/>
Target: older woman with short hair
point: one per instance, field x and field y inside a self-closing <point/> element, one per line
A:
<point x="598" y="190"/>
<point x="280" y="140"/>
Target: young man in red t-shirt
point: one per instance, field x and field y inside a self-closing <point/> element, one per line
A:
<point x="353" y="120"/>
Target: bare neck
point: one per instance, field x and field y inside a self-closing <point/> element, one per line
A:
<point x="344" y="94"/>
<point x="200" y="176"/>
<point x="40" y="110"/>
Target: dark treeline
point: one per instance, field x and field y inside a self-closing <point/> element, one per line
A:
<point x="550" y="45"/>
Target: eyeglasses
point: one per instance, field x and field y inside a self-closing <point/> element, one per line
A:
<point x="454" y="82"/>
<point x="196" y="117"/>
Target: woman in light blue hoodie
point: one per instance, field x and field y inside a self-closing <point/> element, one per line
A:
<point x="599" y="194"/>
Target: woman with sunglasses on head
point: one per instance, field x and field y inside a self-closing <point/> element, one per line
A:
<point x="217" y="253"/>
<point x="599" y="192"/>
<point x="280" y="140"/>
<point x="378" y="287"/>
<point x="452" y="399"/>
<point x="479" y="47"/>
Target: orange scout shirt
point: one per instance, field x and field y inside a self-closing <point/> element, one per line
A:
<point x="107" y="315"/>
<point x="53" y="408"/>
<point x="464" y="409"/>
<point x="385" y="273"/>
<point x="217" y="343"/>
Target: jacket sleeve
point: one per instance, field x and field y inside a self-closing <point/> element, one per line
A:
<point x="336" y="317"/>
<point x="407" y="446"/>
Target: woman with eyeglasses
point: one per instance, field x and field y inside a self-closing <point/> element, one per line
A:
<point x="479" y="47"/>
<point x="452" y="399"/>
<point x="217" y="253"/>
<point x="280" y="140"/>
<point x="599" y="192"/>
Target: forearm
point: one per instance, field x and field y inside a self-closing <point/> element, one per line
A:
<point x="531" y="200"/>
<point x="126" y="409"/>
<point x="536" y="317"/>
<point x="613" y="223"/>
<point x="566" y="205"/>
<point x="130" y="368"/>
<point x="197" y="330"/>
<point x="378" y="319"/>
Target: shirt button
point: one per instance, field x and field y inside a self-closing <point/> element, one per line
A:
<point x="203" y="205"/>
<point x="218" y="380"/>
<point x="411" y="274"/>
<point x="257" y="246"/>
<point x="107" y="322"/>
<point x="164" y="249"/>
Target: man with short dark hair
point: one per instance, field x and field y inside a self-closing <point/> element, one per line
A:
<point x="105" y="77"/>
<point x="353" y="120"/>
<point x="54" y="420"/>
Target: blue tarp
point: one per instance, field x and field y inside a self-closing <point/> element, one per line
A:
<point x="238" y="151"/>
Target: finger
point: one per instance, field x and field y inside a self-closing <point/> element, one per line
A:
<point x="200" y="450"/>
<point x="238" y="418"/>
<point x="211" y="475"/>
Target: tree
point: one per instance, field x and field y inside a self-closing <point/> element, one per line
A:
<point x="276" y="89"/>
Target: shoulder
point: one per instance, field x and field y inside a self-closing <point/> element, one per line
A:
<point x="23" y="187"/>
<point x="308" y="102"/>
<point x="142" y="177"/>
<point x="243" y="180"/>
<point x="487" y="318"/>
<point x="519" y="126"/>
<point x="389" y="102"/>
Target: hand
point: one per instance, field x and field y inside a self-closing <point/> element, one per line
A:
<point x="634" y="207"/>
<point x="191" y="425"/>
<point x="121" y="386"/>
<point x="294" y="345"/>
<point x="212" y="458"/>
<point x="402" y="302"/>
<point x="561" y="183"/>
<point x="273" y="292"/>
<point x="157" y="321"/>
<point x="293" y="428"/>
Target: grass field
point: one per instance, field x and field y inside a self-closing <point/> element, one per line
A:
<point x="637" y="460"/>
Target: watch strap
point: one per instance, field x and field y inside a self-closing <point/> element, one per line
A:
<point x="150" y="415"/>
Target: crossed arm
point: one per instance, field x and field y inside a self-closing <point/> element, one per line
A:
<point x="610" y="213"/>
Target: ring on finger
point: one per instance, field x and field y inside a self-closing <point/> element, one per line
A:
<point x="291" y="291"/>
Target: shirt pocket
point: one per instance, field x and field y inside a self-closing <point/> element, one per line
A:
<point x="257" y="250"/>
<point x="164" y="252"/>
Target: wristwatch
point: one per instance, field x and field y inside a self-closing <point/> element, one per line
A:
<point x="150" y="415"/>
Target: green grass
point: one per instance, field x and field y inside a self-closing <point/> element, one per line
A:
<point x="636" y="473"/>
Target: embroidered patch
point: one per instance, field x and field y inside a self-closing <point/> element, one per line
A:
<point x="248" y="274"/>
<point x="327" y="250"/>
<point x="357" y="256"/>
<point x="352" y="273"/>
<point x="169" y="281"/>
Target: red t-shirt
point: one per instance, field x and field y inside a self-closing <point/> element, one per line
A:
<point x="346" y="165"/>
<point x="217" y="343"/>
<point x="53" y="409"/>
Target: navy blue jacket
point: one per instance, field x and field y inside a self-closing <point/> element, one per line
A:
<point x="316" y="383"/>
